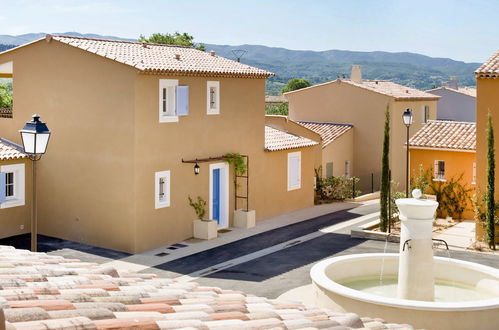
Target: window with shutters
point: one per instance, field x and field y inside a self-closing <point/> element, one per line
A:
<point x="12" y="185"/>
<point x="439" y="170"/>
<point x="294" y="170"/>
<point x="474" y="174"/>
<point x="173" y="100"/>
<point x="162" y="189"/>
<point x="426" y="113"/>
<point x="213" y="98"/>
<point x="329" y="170"/>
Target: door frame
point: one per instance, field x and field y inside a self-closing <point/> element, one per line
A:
<point x="224" y="193"/>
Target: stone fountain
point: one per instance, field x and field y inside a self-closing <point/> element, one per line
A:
<point x="411" y="286"/>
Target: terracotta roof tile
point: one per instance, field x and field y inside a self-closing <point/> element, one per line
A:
<point x="10" y="150"/>
<point x="441" y="134"/>
<point x="328" y="131"/>
<point x="399" y="92"/>
<point x="470" y="91"/>
<point x="37" y="305"/>
<point x="164" y="59"/>
<point x="489" y="69"/>
<point x="275" y="99"/>
<point x="279" y="140"/>
<point x="388" y="88"/>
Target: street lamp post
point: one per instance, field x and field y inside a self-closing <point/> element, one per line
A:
<point x="407" y="118"/>
<point x="35" y="136"/>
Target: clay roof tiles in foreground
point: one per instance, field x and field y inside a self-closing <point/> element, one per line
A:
<point x="278" y="140"/>
<point x="10" y="150"/>
<point x="163" y="59"/>
<point x="489" y="69"/>
<point x="442" y="134"/>
<point x="328" y="131"/>
<point x="42" y="291"/>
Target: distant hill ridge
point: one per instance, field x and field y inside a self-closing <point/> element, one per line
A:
<point x="410" y="69"/>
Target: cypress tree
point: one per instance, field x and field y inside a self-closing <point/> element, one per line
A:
<point x="490" y="212"/>
<point x="385" y="180"/>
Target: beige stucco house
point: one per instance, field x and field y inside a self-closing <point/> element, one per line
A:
<point x="128" y="119"/>
<point x="362" y="103"/>
<point x="487" y="100"/>
<point x="15" y="189"/>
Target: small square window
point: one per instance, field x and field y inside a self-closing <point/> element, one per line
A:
<point x="213" y="98"/>
<point x="347" y="169"/>
<point x="426" y="113"/>
<point x="162" y="189"/>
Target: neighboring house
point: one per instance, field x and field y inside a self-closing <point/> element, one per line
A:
<point x="448" y="150"/>
<point x="129" y="121"/>
<point x="456" y="103"/>
<point x="487" y="100"/>
<point x="362" y="103"/>
<point x="337" y="147"/>
<point x="275" y="99"/>
<point x="15" y="189"/>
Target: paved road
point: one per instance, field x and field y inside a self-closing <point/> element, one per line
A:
<point x="285" y="268"/>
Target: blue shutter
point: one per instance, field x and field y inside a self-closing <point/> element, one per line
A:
<point x="182" y="100"/>
<point x="3" y="177"/>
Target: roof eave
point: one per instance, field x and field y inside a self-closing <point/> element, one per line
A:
<point x="441" y="149"/>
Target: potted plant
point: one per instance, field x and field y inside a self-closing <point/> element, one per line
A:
<point x="243" y="218"/>
<point x="203" y="228"/>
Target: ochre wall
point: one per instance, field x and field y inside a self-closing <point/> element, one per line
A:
<point x="239" y="128"/>
<point x="456" y="163"/>
<point x="398" y="135"/>
<point x="487" y="100"/>
<point x="339" y="151"/>
<point x="85" y="180"/>
<point x="13" y="218"/>
<point x="277" y="197"/>
<point x="96" y="182"/>
<point x="342" y="103"/>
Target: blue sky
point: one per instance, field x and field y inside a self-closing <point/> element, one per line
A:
<point x="461" y="29"/>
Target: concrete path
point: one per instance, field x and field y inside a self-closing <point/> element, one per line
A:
<point x="459" y="236"/>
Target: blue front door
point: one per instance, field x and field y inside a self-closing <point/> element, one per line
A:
<point x="216" y="195"/>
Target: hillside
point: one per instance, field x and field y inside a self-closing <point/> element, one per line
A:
<point x="414" y="70"/>
<point x="410" y="69"/>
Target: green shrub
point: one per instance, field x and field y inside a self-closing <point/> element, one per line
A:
<point x="335" y="188"/>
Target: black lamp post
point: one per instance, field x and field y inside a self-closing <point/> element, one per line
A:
<point x="35" y="136"/>
<point x="407" y="118"/>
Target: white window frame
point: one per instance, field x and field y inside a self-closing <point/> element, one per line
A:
<point x="165" y="201"/>
<point x="290" y="156"/>
<point x="169" y="84"/>
<point x="216" y="109"/>
<point x="19" y="185"/>
<point x="437" y="176"/>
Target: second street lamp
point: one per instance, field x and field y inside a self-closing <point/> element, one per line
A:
<point x="407" y="118"/>
<point x="35" y="136"/>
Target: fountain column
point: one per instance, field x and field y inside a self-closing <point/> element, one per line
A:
<point x="416" y="280"/>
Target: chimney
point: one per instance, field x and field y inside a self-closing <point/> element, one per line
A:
<point x="212" y="53"/>
<point x="356" y="75"/>
<point x="453" y="82"/>
<point x="177" y="56"/>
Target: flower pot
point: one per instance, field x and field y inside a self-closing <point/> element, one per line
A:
<point x="244" y="219"/>
<point x="205" y="229"/>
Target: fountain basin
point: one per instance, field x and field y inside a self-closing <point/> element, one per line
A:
<point x="476" y="314"/>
